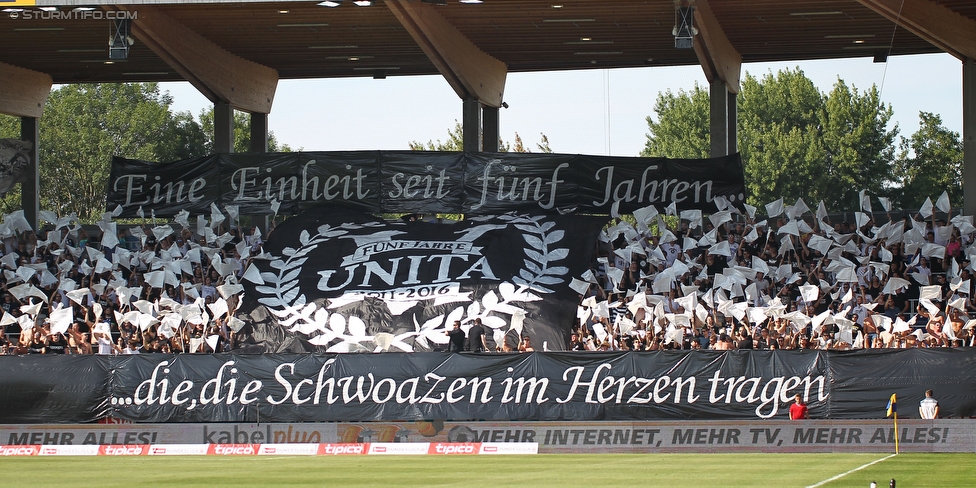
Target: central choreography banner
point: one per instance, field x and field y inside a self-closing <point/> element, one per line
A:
<point x="422" y="182"/>
<point x="348" y="283"/>
<point x="690" y="385"/>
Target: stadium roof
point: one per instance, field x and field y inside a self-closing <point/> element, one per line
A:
<point x="306" y="40"/>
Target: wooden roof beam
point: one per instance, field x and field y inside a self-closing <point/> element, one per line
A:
<point x="218" y="74"/>
<point x="718" y="58"/>
<point x="469" y="70"/>
<point x="945" y="29"/>
<point x="23" y="92"/>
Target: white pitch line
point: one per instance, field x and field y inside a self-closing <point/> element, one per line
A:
<point x="835" y="478"/>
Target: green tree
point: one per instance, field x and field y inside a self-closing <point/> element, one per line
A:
<point x="242" y="133"/>
<point x="778" y="134"/>
<point x="930" y="162"/>
<point x="543" y="144"/>
<point x="795" y="141"/>
<point x="186" y="138"/>
<point x="455" y="142"/>
<point x="83" y="126"/>
<point x="681" y="130"/>
<point x="519" y="146"/>
<point x="860" y="149"/>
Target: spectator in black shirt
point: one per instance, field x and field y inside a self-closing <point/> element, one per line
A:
<point x="745" y="342"/>
<point x="36" y="345"/>
<point x="456" y="336"/>
<point x="576" y="343"/>
<point x="476" y="337"/>
<point x="8" y="303"/>
<point x="57" y="344"/>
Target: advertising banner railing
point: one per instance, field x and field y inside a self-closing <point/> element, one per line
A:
<point x="693" y="385"/>
<point x="465" y="437"/>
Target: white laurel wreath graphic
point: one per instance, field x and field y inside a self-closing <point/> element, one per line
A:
<point x="282" y="296"/>
<point x="537" y="271"/>
<point x="284" y="299"/>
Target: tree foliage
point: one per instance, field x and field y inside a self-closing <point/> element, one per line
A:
<point x="242" y="133"/>
<point x="83" y="126"/>
<point x="795" y="141"/>
<point x="681" y="130"/>
<point x="543" y="145"/>
<point x="455" y="142"/>
<point x="860" y="150"/>
<point x="929" y="162"/>
<point x="779" y="135"/>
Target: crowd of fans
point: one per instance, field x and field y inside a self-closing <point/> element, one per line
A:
<point x="141" y="289"/>
<point x="794" y="281"/>
<point x="679" y="280"/>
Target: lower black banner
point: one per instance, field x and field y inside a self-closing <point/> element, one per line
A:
<point x="672" y="385"/>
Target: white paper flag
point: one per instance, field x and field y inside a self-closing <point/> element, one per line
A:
<point x="61" y="318"/>
<point x="885" y="203"/>
<point x="865" y="201"/>
<point x="943" y="202"/>
<point x="750" y="210"/>
<point x="926" y="210"/>
<point x="774" y="209"/>
<point x="810" y="293"/>
<point x="212" y="342"/>
<point x="933" y="292"/>
<point x="821" y="211"/>
<point x="579" y="286"/>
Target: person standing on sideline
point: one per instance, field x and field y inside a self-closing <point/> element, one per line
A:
<point x="798" y="411"/>
<point x="476" y="337"/>
<point x="456" y="336"/>
<point x="928" y="408"/>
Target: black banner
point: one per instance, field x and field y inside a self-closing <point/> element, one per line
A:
<point x="699" y="385"/>
<point x="364" y="284"/>
<point x="14" y="163"/>
<point x="54" y="388"/>
<point x="422" y="182"/>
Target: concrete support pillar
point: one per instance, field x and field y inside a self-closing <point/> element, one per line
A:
<point x="969" y="136"/>
<point x="489" y="118"/>
<point x="471" y="125"/>
<point x="223" y="136"/>
<point x="733" y="127"/>
<point x="29" y="198"/>
<point x="718" y="119"/>
<point x="259" y="132"/>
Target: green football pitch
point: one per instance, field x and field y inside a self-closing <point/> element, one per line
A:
<point x="670" y="470"/>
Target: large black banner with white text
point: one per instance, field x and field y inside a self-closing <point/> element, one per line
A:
<point x="421" y="182"/>
<point x="348" y="283"/>
<point x="691" y="385"/>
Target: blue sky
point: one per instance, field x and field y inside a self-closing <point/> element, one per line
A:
<point x="596" y="112"/>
